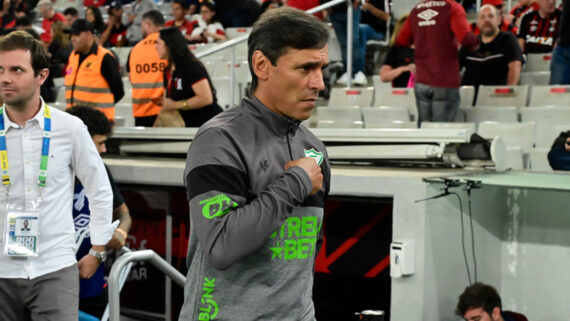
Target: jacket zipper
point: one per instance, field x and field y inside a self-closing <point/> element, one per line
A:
<point x="289" y="144"/>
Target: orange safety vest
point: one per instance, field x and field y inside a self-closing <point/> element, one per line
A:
<point x="86" y="86"/>
<point x="146" y="75"/>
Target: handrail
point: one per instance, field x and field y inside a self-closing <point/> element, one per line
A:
<point x="119" y="265"/>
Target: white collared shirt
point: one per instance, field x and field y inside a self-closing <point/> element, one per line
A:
<point x="71" y="153"/>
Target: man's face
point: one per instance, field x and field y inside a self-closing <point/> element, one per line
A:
<point x="82" y="42"/>
<point x="547" y="6"/>
<point x="488" y="21"/>
<point x="177" y="11"/>
<point x="44" y="11"/>
<point x="292" y="86"/>
<point x="18" y="85"/>
<point x="100" y="141"/>
<point x="477" y="314"/>
<point x="69" y="19"/>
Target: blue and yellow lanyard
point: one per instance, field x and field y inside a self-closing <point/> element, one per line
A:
<point x="45" y="149"/>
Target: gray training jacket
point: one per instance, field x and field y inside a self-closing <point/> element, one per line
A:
<point x="253" y="226"/>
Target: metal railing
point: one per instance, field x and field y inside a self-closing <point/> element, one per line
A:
<point x="122" y="262"/>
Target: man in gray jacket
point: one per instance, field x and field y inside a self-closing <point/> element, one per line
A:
<point x="257" y="183"/>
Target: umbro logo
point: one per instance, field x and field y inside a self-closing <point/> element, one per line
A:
<point x="427" y="15"/>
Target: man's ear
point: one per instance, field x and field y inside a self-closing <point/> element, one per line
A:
<point x="43" y="75"/>
<point x="261" y="65"/>
<point x="496" y="313"/>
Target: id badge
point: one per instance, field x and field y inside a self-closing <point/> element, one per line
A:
<point x="21" y="238"/>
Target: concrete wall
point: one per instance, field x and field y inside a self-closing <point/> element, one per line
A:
<point x="445" y="264"/>
<point x="536" y="254"/>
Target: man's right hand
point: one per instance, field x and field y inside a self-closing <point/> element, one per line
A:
<point x="313" y="170"/>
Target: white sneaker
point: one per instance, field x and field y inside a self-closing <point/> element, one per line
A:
<point x="343" y="79"/>
<point x="360" y="79"/>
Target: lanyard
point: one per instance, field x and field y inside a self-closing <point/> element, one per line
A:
<point x="45" y="149"/>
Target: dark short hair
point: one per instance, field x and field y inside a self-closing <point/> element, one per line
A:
<point x="96" y="122"/>
<point x="155" y="16"/>
<point x="278" y="30"/>
<point x="22" y="40"/>
<point x="182" y="3"/>
<point x="478" y="295"/>
<point x="23" y="21"/>
<point x="71" y="11"/>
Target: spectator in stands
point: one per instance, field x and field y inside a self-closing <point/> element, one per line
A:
<point x="93" y="296"/>
<point x="270" y="5"/>
<point x="539" y="29"/>
<point x="146" y="72"/>
<point x="23" y="23"/>
<point x="7" y="15"/>
<point x="434" y="27"/>
<point x="92" y="76"/>
<point x="179" y="11"/>
<point x="560" y="64"/>
<point x="233" y="13"/>
<point x="115" y="33"/>
<point x="207" y="27"/>
<point x="504" y="24"/>
<point x="134" y="19"/>
<point x="498" y="59"/>
<point x="481" y="302"/>
<point x="339" y="22"/>
<point x="59" y="49"/>
<point x="94" y="16"/>
<point x="373" y="22"/>
<point x="399" y="63"/>
<point x="45" y="8"/>
<point x="187" y="85"/>
<point x="253" y="199"/>
<point x="71" y="14"/>
<point x="521" y="8"/>
<point x="46" y="286"/>
<point x="559" y="154"/>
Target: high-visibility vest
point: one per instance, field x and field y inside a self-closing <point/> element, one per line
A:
<point x="146" y="75"/>
<point x="86" y="86"/>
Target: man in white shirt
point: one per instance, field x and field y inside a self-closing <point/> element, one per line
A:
<point x="38" y="270"/>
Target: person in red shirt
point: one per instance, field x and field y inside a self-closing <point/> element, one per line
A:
<point x="435" y="27"/>
<point x="521" y="8"/>
<point x="505" y="24"/>
<point x="179" y="11"/>
<point x="45" y="7"/>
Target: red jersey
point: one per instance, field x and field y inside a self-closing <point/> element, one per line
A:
<point x="185" y="28"/>
<point x="518" y="10"/>
<point x="436" y="27"/>
<point x="46" y="25"/>
<point x="539" y="34"/>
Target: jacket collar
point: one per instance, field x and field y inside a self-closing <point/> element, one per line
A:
<point x="276" y="123"/>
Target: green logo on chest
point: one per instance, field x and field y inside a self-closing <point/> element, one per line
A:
<point x="312" y="153"/>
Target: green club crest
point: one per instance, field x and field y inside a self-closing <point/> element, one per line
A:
<point x="312" y="153"/>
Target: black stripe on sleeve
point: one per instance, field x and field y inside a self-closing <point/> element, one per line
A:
<point x="221" y="178"/>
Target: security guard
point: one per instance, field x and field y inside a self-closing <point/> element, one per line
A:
<point x="92" y="76"/>
<point x="145" y="70"/>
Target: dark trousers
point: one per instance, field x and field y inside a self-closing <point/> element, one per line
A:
<point x="436" y="104"/>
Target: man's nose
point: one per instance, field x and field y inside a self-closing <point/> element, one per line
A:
<point x="316" y="81"/>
